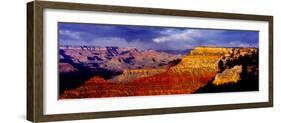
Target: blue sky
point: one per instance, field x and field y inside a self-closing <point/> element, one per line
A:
<point x="148" y="37"/>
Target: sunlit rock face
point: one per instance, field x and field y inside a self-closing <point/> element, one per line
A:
<point x="231" y="75"/>
<point x="204" y="69"/>
<point x="192" y="72"/>
<point x="130" y="75"/>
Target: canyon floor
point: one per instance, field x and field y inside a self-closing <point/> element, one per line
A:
<point x="95" y="72"/>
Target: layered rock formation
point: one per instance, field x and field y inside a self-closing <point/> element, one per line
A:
<point x="204" y="69"/>
<point x="114" y="58"/>
<point x="79" y="63"/>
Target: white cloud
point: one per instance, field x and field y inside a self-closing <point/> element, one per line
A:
<point x="118" y="42"/>
<point x="168" y="31"/>
<point x="240" y="44"/>
<point x="71" y="34"/>
<point x="235" y="43"/>
<point x="109" y="41"/>
<point x="174" y="35"/>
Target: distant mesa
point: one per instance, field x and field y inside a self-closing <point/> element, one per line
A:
<point x="96" y="80"/>
<point x="66" y="68"/>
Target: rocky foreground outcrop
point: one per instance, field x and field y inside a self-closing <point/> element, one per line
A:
<point x="237" y="71"/>
<point x="231" y="75"/>
<point x="204" y="69"/>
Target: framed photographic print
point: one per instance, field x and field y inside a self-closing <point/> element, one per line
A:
<point x="97" y="61"/>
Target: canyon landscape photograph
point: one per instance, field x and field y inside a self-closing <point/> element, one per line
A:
<point x="106" y="60"/>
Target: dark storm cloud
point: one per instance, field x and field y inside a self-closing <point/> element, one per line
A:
<point x="146" y="37"/>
